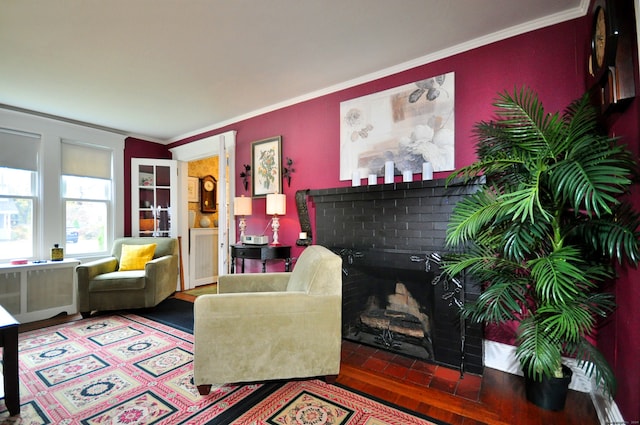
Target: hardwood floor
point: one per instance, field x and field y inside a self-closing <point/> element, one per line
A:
<point x="494" y="398"/>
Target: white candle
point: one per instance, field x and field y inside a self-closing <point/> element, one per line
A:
<point x="303" y="235"/>
<point x="407" y="176"/>
<point x="355" y="178"/>
<point x="373" y="179"/>
<point x="427" y="171"/>
<point x="388" y="172"/>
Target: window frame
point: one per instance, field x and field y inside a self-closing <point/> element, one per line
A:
<point x="109" y="212"/>
<point x="21" y="153"/>
<point x="49" y="208"/>
<point x="108" y="200"/>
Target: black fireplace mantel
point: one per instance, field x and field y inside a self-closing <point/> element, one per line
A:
<point x="409" y="219"/>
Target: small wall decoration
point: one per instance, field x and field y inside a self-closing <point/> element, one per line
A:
<point x="266" y="167"/>
<point x="408" y="125"/>
<point x="244" y="175"/>
<point x="192" y="189"/>
<point x="288" y="170"/>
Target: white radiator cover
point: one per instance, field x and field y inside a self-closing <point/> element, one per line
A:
<point x="203" y="256"/>
<point x="37" y="291"/>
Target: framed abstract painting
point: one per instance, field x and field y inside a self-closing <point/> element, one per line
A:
<point x="408" y="125"/>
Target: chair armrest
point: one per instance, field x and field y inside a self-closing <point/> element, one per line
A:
<point x="246" y="304"/>
<point x="163" y="273"/>
<point x="159" y="262"/>
<point x="253" y="282"/>
<point x="87" y="271"/>
<point x="230" y="313"/>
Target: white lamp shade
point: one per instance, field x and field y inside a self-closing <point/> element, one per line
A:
<point x="242" y="205"/>
<point x="276" y="204"/>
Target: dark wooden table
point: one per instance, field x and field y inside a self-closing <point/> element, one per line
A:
<point x="261" y="252"/>
<point x="9" y="342"/>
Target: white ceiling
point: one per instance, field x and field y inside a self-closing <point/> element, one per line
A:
<point x="166" y="69"/>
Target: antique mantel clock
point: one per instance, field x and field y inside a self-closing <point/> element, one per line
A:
<point x="208" y="194"/>
<point x="610" y="66"/>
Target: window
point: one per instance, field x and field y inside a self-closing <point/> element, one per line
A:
<point x="18" y="193"/>
<point x="86" y="192"/>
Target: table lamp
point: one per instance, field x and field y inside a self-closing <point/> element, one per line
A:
<point x="242" y="208"/>
<point x="276" y="205"/>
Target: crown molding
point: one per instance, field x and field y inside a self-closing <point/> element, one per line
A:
<point x="526" y="27"/>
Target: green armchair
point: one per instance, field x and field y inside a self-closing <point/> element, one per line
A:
<point x="263" y="326"/>
<point x="102" y="287"/>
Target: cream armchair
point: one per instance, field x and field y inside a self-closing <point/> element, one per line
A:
<point x="101" y="286"/>
<point x="263" y="326"/>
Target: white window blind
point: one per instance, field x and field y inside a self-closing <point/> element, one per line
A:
<point x="19" y="150"/>
<point x="86" y="161"/>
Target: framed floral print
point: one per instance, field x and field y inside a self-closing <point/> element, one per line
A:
<point x="266" y="167"/>
<point x="192" y="189"/>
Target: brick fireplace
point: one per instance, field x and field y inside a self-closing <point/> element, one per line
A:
<point x="391" y="239"/>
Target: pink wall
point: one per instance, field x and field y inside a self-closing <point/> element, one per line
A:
<point x="310" y="130"/>
<point x="551" y="61"/>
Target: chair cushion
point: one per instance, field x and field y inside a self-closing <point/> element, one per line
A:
<point x="118" y="281"/>
<point x="134" y="257"/>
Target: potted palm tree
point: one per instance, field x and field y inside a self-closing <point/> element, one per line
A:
<point x="544" y="232"/>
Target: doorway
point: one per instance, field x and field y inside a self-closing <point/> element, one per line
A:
<point x="221" y="146"/>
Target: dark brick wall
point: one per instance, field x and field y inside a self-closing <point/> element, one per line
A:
<point x="408" y="217"/>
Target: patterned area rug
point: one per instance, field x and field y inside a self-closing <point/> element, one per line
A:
<point x="128" y="369"/>
<point x="313" y="402"/>
<point x="118" y="370"/>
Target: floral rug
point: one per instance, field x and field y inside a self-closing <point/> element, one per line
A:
<point x="128" y="369"/>
<point x="118" y="370"/>
<point x="313" y="402"/>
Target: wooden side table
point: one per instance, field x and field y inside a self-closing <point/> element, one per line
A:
<point x="9" y="342"/>
<point x="261" y="252"/>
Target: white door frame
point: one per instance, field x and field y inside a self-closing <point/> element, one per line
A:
<point x="223" y="146"/>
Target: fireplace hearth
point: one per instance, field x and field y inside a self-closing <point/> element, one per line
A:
<point x="391" y="238"/>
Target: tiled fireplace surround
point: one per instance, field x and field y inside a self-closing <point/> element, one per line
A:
<point x="395" y="233"/>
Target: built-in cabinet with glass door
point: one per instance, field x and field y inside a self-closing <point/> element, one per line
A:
<point x="154" y="197"/>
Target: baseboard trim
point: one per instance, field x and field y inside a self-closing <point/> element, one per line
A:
<point x="607" y="409"/>
<point x="503" y="358"/>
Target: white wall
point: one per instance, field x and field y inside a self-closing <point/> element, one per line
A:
<point x="50" y="226"/>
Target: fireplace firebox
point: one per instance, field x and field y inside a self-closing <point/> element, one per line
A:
<point x="387" y="302"/>
<point x="391" y="239"/>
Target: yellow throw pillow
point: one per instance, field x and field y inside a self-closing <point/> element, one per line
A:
<point x="134" y="257"/>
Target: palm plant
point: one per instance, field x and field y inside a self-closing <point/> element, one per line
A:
<point x="545" y="229"/>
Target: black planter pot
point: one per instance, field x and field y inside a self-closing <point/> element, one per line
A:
<point x="550" y="393"/>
